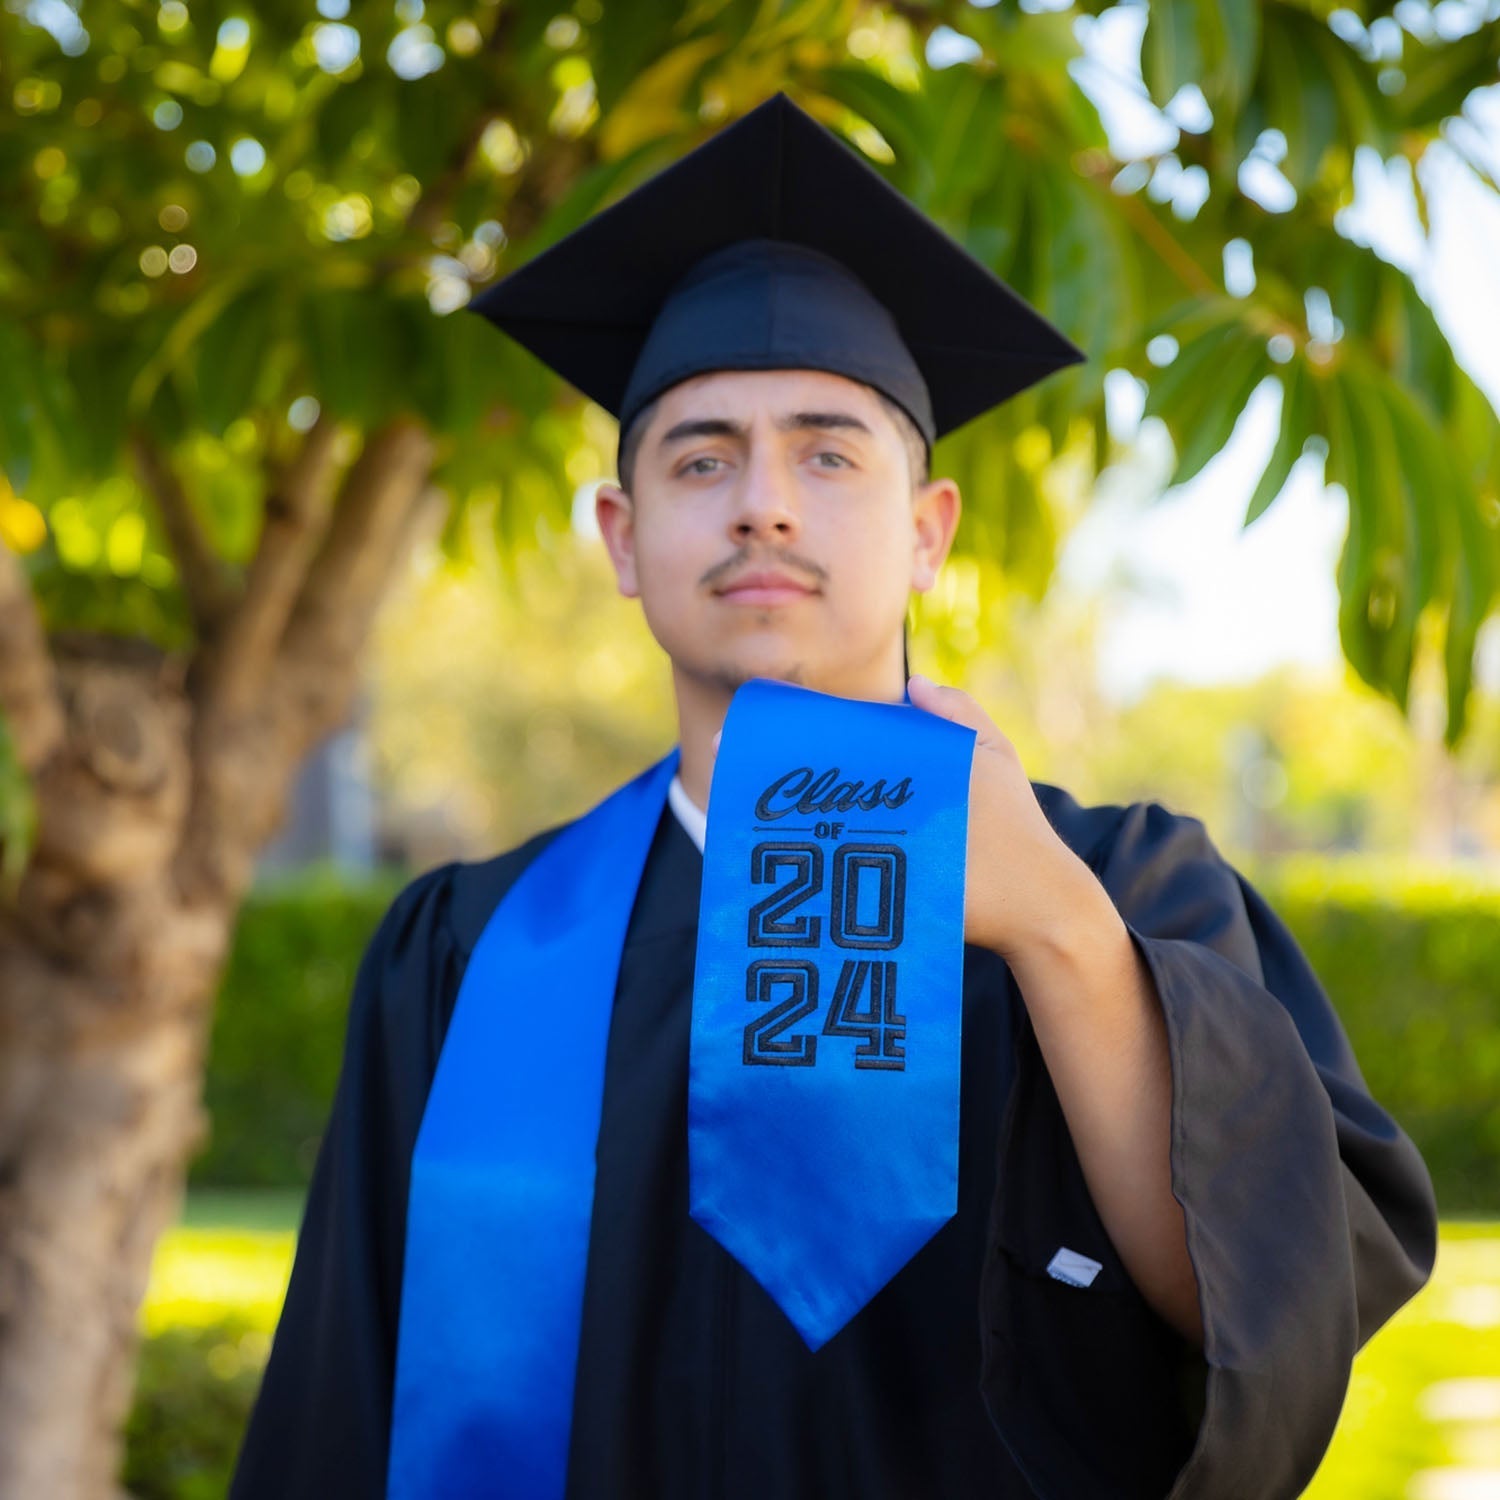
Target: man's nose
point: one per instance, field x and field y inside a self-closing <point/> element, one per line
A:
<point x="765" y="502"/>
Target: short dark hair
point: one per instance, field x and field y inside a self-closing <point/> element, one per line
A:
<point x="630" y="443"/>
<point x="917" y="456"/>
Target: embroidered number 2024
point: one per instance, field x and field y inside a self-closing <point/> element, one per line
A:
<point x="867" y="908"/>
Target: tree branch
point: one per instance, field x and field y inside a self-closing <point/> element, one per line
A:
<point x="206" y="579"/>
<point x="246" y="748"/>
<point x="1099" y="168"/>
<point x="344" y="585"/>
<point x="29" y="694"/>
<point x="294" y="518"/>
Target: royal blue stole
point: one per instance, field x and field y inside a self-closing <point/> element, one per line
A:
<point x="823" y="1082"/>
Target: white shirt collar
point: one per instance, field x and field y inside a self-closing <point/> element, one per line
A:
<point x="689" y="814"/>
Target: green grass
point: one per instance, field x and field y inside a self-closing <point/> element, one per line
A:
<point x="1421" y="1420"/>
<point x="229" y="1257"/>
<point x="1422" y="1417"/>
<point x="276" y="1210"/>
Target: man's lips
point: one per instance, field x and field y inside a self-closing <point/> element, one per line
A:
<point x="765" y="587"/>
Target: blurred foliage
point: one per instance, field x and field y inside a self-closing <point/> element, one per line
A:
<point x="217" y="1283"/>
<point x="294" y="957"/>
<point x="1405" y="1412"/>
<point x="509" y="695"/>
<point x="17" y="814"/>
<point x="216" y="222"/>
<point x="1408" y="959"/>
<point x="505" y="739"/>
<point x="194" y="1390"/>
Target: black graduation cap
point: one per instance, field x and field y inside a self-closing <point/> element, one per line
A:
<point x="775" y="246"/>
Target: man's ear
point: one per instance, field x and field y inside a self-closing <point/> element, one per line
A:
<point x="615" y="512"/>
<point x="935" y="513"/>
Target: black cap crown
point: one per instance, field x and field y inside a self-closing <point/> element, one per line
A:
<point x="774" y="245"/>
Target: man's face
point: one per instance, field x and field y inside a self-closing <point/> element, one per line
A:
<point x="774" y="531"/>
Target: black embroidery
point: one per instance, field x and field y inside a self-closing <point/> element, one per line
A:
<point x="881" y="1029"/>
<point x="769" y="926"/>
<point x="807" y="791"/>
<point x="850" y="861"/>
<point x="762" y="978"/>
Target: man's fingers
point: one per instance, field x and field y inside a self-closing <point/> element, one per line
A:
<point x="954" y="704"/>
<point x="947" y="702"/>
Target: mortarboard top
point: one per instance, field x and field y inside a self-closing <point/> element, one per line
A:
<point x="773" y="245"/>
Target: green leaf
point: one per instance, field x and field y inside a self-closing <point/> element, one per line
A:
<point x="457" y="377"/>
<point x="1474" y="586"/>
<point x="969" y="108"/>
<point x="624" y="41"/>
<point x="1423" y="359"/>
<point x="1167" y="387"/>
<point x="900" y="115"/>
<point x="363" y="103"/>
<point x="358" y="350"/>
<point x="101" y="376"/>
<point x="1405" y="540"/>
<point x="1356" y="558"/>
<point x="431" y="115"/>
<point x="1171" y="53"/>
<point x="1283" y="94"/>
<point x="1439" y="79"/>
<point x="1202" y="392"/>
<point x="1300" y="98"/>
<point x="18" y="411"/>
<point x="653" y="107"/>
<point x="18" y="816"/>
<point x="1366" y="114"/>
<point x="1204" y="425"/>
<point x="230" y="356"/>
<point x="590" y="191"/>
<point x="997" y="217"/>
<point x="1097" y="296"/>
<point x="1240" y="43"/>
<point x="1291" y="437"/>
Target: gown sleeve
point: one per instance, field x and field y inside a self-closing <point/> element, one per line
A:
<point x="1310" y="1216"/>
<point x="320" y="1426"/>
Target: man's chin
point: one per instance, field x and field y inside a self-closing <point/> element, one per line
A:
<point x="728" y="672"/>
<point x="735" y="674"/>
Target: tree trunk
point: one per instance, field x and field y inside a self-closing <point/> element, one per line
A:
<point x="106" y="989"/>
<point x="157" y="781"/>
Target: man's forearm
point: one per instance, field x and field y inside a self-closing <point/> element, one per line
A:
<point x="1099" y="1023"/>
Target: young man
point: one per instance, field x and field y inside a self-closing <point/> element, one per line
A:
<point x="1176" y="1210"/>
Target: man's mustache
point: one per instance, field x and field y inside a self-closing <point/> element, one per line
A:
<point x="745" y="559"/>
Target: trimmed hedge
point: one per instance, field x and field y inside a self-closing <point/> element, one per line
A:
<point x="279" y="1028"/>
<point x="194" y="1390"/>
<point x="1411" y="959"/>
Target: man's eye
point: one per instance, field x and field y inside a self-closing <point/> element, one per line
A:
<point x="699" y="465"/>
<point x="838" y="459"/>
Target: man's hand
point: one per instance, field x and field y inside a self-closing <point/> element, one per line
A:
<point x="1093" y="1005"/>
<point x="1024" y="884"/>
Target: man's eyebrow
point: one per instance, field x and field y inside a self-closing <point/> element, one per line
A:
<point x="699" y="427"/>
<point x="696" y="427"/>
<point x="826" y="421"/>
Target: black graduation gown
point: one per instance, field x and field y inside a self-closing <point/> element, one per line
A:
<point x="972" y="1373"/>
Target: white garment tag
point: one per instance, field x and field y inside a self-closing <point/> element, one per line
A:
<point x="1077" y="1270"/>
